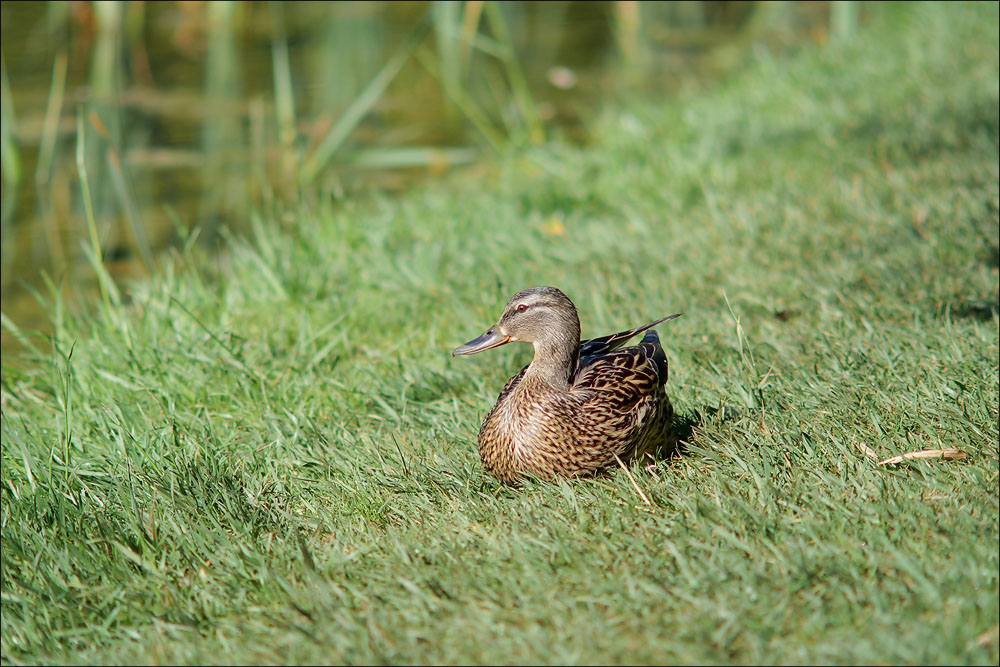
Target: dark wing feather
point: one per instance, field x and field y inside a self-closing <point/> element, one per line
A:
<point x="654" y="355"/>
<point x="595" y="348"/>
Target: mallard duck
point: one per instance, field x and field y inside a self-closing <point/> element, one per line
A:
<point x="576" y="406"/>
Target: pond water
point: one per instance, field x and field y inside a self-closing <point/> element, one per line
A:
<point x="194" y="113"/>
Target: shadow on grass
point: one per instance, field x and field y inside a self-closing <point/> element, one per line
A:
<point x="684" y="426"/>
<point x="975" y="309"/>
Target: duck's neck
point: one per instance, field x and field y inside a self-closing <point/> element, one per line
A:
<point x="555" y="361"/>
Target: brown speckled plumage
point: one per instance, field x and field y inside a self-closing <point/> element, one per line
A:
<point x="576" y="405"/>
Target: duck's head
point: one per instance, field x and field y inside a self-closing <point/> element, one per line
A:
<point x="542" y="316"/>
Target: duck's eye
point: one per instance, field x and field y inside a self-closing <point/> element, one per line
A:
<point x="521" y="307"/>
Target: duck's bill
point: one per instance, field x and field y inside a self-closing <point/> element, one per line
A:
<point x="492" y="338"/>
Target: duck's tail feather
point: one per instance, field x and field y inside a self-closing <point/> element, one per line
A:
<point x="598" y="346"/>
<point x="655" y="356"/>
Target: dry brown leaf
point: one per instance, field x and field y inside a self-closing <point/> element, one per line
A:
<point x="867" y="451"/>
<point x="989" y="637"/>
<point x="946" y="454"/>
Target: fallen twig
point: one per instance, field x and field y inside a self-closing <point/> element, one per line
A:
<point x="632" y="479"/>
<point x="949" y="454"/>
<point x="945" y="454"/>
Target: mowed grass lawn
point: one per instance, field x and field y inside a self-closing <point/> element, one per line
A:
<point x="269" y="456"/>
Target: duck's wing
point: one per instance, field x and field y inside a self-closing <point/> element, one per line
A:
<point x="597" y="347"/>
<point x="625" y="376"/>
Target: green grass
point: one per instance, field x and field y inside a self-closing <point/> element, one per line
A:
<point x="268" y="455"/>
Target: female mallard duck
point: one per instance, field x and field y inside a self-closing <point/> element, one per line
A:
<point x="576" y="406"/>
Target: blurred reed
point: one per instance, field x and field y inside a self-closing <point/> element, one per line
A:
<point x="204" y="111"/>
<point x="10" y="158"/>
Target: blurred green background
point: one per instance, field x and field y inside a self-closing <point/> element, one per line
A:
<point x="182" y="117"/>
